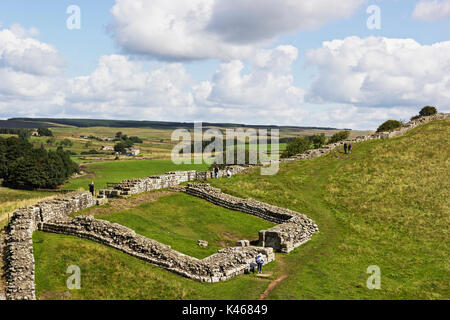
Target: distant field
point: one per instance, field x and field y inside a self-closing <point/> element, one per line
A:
<point x="180" y="220"/>
<point x="116" y="171"/>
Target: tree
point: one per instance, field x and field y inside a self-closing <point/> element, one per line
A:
<point x="120" y="147"/>
<point x="428" y="111"/>
<point x="318" y="140"/>
<point x="389" y="125"/>
<point x="24" y="134"/>
<point x="25" y="167"/>
<point x="66" y="143"/>
<point x="45" y="132"/>
<point x="339" y="136"/>
<point x="298" y="145"/>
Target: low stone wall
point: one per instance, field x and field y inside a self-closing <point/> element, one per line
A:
<point x="167" y="180"/>
<point x="293" y="230"/>
<point x="225" y="264"/>
<point x="18" y="249"/>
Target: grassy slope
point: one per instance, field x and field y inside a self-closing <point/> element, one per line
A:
<point x="116" y="171"/>
<point x="386" y="205"/>
<point x="179" y="220"/>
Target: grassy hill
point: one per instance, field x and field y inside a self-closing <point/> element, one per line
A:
<point x="386" y="204"/>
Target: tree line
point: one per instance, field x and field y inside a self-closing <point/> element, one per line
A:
<point x="24" y="167"/>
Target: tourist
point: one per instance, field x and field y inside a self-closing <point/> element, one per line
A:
<point x="216" y="172"/>
<point x="259" y="262"/>
<point x="345" y="148"/>
<point x="91" y="187"/>
<point x="229" y="174"/>
<point x="349" y="148"/>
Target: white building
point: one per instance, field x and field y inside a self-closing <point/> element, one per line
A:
<point x="133" y="151"/>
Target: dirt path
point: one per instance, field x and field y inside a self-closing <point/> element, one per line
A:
<point x="277" y="281"/>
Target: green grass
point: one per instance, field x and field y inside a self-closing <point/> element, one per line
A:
<point x="180" y="220"/>
<point x="107" y="273"/>
<point x="386" y="204"/>
<point x="117" y="171"/>
<point x="11" y="200"/>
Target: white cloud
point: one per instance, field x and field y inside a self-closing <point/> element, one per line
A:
<point x="265" y="94"/>
<point x="30" y="72"/>
<point x="381" y="72"/>
<point x="432" y="10"/>
<point x="224" y="29"/>
<point x="120" y="87"/>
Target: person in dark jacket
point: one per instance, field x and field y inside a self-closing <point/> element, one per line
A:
<point x="91" y="188"/>
<point x="349" y="148"/>
<point x="345" y="148"/>
<point x="216" y="172"/>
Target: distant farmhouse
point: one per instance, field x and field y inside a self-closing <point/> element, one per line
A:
<point x="133" y="151"/>
<point x="107" y="148"/>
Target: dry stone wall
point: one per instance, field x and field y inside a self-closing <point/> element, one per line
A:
<point x="225" y="264"/>
<point x="18" y="249"/>
<point x="293" y="228"/>
<point x="163" y="181"/>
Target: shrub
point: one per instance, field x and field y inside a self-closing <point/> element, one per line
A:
<point x="318" y="140"/>
<point x="415" y="117"/>
<point x="298" y="145"/>
<point x="45" y="132"/>
<point x="427" y="111"/>
<point x="389" y="125"/>
<point x="339" y="136"/>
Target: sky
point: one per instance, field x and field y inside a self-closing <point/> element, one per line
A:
<point x="346" y="64"/>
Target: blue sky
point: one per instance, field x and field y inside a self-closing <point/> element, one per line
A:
<point x="221" y="80"/>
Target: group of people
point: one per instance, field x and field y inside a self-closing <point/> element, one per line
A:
<point x="216" y="172"/>
<point x="259" y="263"/>
<point x="347" y="148"/>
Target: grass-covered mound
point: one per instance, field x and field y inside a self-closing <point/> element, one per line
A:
<point x="180" y="220"/>
<point x="386" y="204"/>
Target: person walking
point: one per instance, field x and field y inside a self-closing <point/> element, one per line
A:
<point x="345" y="148"/>
<point x="91" y="188"/>
<point x="349" y="148"/>
<point x="259" y="262"/>
<point x="216" y="172"/>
